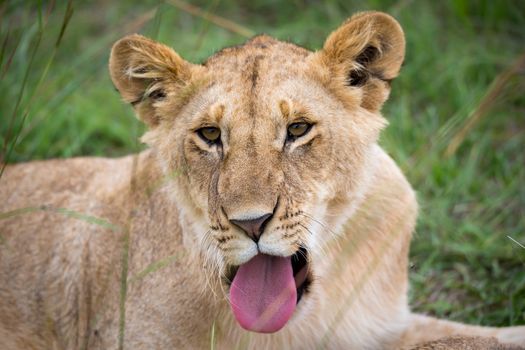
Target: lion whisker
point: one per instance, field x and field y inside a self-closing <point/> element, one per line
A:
<point x="325" y="226"/>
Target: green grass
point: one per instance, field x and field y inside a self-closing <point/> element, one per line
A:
<point x="472" y="198"/>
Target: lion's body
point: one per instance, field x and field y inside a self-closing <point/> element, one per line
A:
<point x="466" y="343"/>
<point x="67" y="269"/>
<point x="162" y="218"/>
<point x="70" y="283"/>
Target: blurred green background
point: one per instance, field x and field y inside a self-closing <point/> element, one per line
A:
<point x="457" y="115"/>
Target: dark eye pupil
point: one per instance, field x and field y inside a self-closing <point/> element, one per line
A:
<point x="210" y="134"/>
<point x="298" y="129"/>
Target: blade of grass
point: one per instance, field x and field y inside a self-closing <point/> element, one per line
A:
<point x="3" y="7"/>
<point x="123" y="289"/>
<point x="206" y="27"/>
<point x="215" y="19"/>
<point x="125" y="259"/>
<point x="153" y="31"/>
<point x="65" y="22"/>
<point x="154" y="266"/>
<point x="212" y="337"/>
<point x="487" y="102"/>
<point x="97" y="49"/>
<point x="8" y="144"/>
<point x="350" y="247"/>
<point x="4" y="48"/>
<point x="518" y="243"/>
<point x="66" y="212"/>
<point x="5" y="148"/>
<point x="10" y="59"/>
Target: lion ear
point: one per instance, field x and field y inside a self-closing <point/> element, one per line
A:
<point x="366" y="52"/>
<point x="145" y="73"/>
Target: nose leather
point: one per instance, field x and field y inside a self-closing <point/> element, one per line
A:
<point x="253" y="227"/>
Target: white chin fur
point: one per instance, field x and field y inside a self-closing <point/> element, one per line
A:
<point x="276" y="249"/>
<point x="243" y="254"/>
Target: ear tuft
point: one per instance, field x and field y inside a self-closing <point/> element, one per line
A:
<point x="359" y="75"/>
<point x="369" y="55"/>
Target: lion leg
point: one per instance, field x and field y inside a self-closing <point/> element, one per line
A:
<point x="423" y="329"/>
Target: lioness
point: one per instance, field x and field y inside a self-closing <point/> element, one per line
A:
<point x="264" y="215"/>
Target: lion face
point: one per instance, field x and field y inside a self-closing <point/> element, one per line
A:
<point x="272" y="141"/>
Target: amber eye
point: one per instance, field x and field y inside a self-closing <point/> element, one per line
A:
<point x="296" y="130"/>
<point x="210" y="134"/>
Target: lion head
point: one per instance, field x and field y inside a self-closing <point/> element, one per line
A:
<point x="272" y="144"/>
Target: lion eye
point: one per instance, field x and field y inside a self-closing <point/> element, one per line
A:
<point x="296" y="130"/>
<point x="210" y="134"/>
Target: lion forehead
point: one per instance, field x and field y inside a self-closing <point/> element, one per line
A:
<point x="261" y="59"/>
<point x="260" y="45"/>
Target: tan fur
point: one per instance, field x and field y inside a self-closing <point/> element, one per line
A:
<point x="161" y="218"/>
<point x="466" y="343"/>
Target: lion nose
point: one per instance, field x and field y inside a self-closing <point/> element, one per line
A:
<point x="253" y="227"/>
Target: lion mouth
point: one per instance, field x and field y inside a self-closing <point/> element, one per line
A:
<point x="301" y="273"/>
<point x="265" y="291"/>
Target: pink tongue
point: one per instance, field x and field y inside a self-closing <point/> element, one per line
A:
<point x="263" y="293"/>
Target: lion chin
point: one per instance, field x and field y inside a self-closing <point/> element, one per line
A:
<point x="263" y="214"/>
